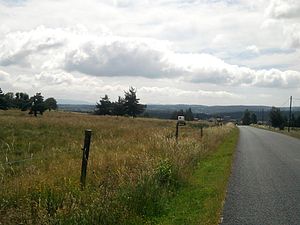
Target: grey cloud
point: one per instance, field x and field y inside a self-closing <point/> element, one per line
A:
<point x="281" y="9"/>
<point x="114" y="56"/>
<point x="3" y="76"/>
<point x="16" y="48"/>
<point x="288" y="13"/>
<point x="119" y="58"/>
<point x="54" y="78"/>
<point x="293" y="36"/>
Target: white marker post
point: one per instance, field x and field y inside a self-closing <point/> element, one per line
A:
<point x="180" y="122"/>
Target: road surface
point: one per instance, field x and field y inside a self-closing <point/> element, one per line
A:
<point x="264" y="188"/>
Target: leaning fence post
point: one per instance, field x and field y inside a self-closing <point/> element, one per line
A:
<point x="85" y="156"/>
<point x="201" y="131"/>
<point x="176" y="134"/>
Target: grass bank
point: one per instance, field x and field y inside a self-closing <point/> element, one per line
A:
<point x="200" y="201"/>
<point x="136" y="169"/>
<point x="294" y="132"/>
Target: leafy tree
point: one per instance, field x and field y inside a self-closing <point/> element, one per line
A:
<point x="253" y="118"/>
<point x="246" y="118"/>
<point x="176" y="113"/>
<point x="189" y="116"/>
<point x="37" y="104"/>
<point x="180" y="113"/>
<point x="276" y="118"/>
<point x="3" y="101"/>
<point x="297" y="121"/>
<point x="132" y="106"/>
<point x="22" y="101"/>
<point x="9" y="96"/>
<point x="104" y="107"/>
<point x="119" y="107"/>
<point x="50" y="104"/>
<point x="293" y="120"/>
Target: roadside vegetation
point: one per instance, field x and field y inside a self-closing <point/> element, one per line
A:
<point x="294" y="131"/>
<point x="200" y="200"/>
<point x="135" y="170"/>
<point x="278" y="122"/>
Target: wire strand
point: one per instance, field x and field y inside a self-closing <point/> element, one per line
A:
<point x="285" y="102"/>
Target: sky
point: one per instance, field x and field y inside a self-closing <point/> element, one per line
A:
<point x="208" y="52"/>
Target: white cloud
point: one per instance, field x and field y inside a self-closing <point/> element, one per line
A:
<point x="287" y="12"/>
<point x="292" y="33"/>
<point x="169" y="91"/>
<point x="214" y="46"/>
<point x="23" y="48"/>
<point x="283" y="9"/>
<point x="253" y="49"/>
<point x="103" y="55"/>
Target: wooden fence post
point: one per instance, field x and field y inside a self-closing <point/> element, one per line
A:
<point x="85" y="156"/>
<point x="201" y="131"/>
<point x="176" y="134"/>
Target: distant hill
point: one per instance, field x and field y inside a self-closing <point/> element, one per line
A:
<point x="76" y="107"/>
<point x="72" y="102"/>
<point x="200" y="111"/>
<point x="204" y="112"/>
<point x="207" y="109"/>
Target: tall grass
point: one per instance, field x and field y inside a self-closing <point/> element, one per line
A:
<point x="134" y="168"/>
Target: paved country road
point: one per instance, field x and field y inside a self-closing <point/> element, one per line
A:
<point x="264" y="188"/>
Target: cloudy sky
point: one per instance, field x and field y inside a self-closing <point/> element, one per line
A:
<point x="214" y="52"/>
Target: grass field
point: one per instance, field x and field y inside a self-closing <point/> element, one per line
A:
<point x="135" y="171"/>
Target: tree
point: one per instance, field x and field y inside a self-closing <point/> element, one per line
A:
<point x="189" y="116"/>
<point x="50" y="104"/>
<point x="104" y="107"/>
<point x="119" y="107"/>
<point x="22" y="101"/>
<point x="293" y="120"/>
<point x="253" y="118"/>
<point x="246" y="118"/>
<point x="276" y="118"/>
<point x="176" y="113"/>
<point x="297" y="122"/>
<point x="9" y="96"/>
<point x="3" y="101"/>
<point x="132" y="106"/>
<point x="37" y="104"/>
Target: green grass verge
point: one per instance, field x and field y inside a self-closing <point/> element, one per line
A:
<point x="200" y="201"/>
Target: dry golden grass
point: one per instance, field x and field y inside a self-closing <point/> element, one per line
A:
<point x="131" y="161"/>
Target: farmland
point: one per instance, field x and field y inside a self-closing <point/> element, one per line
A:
<point x="135" y="170"/>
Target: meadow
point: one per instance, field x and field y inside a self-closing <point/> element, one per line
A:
<point x="135" y="169"/>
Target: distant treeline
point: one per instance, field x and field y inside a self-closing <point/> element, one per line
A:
<point x="281" y="120"/>
<point x="22" y="101"/>
<point x="275" y="117"/>
<point x="127" y="105"/>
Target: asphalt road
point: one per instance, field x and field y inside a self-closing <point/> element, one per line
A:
<point x="264" y="188"/>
